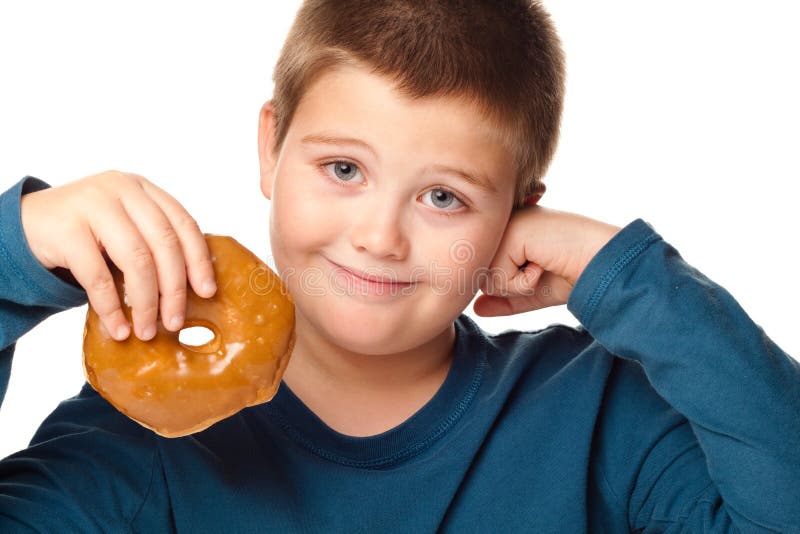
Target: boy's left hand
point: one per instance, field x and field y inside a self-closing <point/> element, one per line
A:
<point x="557" y="246"/>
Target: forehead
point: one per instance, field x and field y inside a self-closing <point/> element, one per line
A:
<point x="357" y="91"/>
<point x="368" y="106"/>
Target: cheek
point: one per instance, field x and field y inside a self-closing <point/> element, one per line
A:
<point x="300" y="219"/>
<point x="457" y="260"/>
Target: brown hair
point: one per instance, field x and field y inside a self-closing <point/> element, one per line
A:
<point x="502" y="55"/>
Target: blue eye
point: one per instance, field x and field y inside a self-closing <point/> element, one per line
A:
<point x="442" y="198"/>
<point x="343" y="170"/>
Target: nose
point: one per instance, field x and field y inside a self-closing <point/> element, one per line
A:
<point x="379" y="231"/>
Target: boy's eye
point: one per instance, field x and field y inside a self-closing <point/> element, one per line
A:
<point x="442" y="198"/>
<point x="345" y="171"/>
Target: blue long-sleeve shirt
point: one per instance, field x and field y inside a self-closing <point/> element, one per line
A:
<point x="666" y="410"/>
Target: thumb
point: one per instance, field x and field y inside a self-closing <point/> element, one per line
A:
<point x="523" y="282"/>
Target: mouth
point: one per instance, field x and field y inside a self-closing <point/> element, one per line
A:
<point x="368" y="278"/>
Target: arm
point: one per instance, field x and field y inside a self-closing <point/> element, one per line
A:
<point x="88" y="468"/>
<point x="29" y="293"/>
<point x="735" y="458"/>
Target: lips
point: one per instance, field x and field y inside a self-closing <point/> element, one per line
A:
<point x="370" y="278"/>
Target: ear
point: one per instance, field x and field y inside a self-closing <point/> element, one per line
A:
<point x="536" y="195"/>
<point x="266" y="138"/>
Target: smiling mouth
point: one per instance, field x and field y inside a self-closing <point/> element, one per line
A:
<point x="361" y="275"/>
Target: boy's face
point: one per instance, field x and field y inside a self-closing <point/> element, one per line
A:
<point x="391" y="212"/>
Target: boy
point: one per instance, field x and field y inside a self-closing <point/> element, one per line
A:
<point x="397" y="413"/>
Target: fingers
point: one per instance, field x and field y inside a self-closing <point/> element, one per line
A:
<point x="177" y="245"/>
<point x="489" y="306"/>
<point x="194" y="247"/>
<point x="129" y="251"/>
<point x="506" y="279"/>
<point x="506" y="294"/>
<point x="547" y="290"/>
<point x="90" y="270"/>
<point x="125" y="219"/>
<point x="164" y="253"/>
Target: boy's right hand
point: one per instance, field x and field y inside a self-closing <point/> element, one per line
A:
<point x="148" y="235"/>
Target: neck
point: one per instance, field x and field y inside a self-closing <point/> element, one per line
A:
<point x="364" y="394"/>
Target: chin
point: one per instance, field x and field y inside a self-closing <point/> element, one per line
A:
<point x="366" y="329"/>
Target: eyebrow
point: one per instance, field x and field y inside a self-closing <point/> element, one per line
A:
<point x="479" y="180"/>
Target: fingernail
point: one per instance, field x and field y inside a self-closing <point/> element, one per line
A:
<point x="176" y="322"/>
<point x="531" y="273"/>
<point x="122" y="332"/>
<point x="209" y="287"/>
<point x="149" y="332"/>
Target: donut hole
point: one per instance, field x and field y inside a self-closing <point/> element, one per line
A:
<point x="195" y="336"/>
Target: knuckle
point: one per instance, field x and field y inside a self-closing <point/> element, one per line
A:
<point x="119" y="179"/>
<point x="169" y="237"/>
<point x="205" y="263"/>
<point x="114" y="175"/>
<point x="142" y="260"/>
<point x="102" y="282"/>
<point x="104" y="184"/>
<point x="110" y="317"/>
<point x="187" y="222"/>
<point x="147" y="310"/>
<point x="135" y="177"/>
<point x="179" y="293"/>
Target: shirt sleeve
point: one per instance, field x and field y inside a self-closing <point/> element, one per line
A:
<point x="29" y="293"/>
<point x="88" y="467"/>
<point x="727" y="459"/>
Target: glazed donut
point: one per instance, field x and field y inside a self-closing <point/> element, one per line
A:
<point x="176" y="389"/>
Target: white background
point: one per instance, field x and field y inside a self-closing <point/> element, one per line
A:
<point x="683" y="113"/>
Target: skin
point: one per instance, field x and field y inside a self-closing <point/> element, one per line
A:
<point x="124" y="218"/>
<point x="363" y="364"/>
